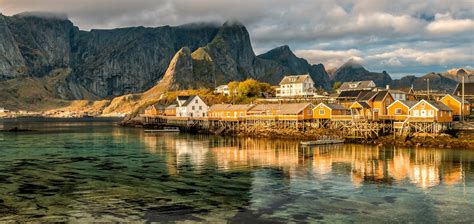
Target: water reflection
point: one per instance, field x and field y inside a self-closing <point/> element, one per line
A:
<point x="368" y="164"/>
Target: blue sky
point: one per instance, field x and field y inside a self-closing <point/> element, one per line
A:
<point x="402" y="37"/>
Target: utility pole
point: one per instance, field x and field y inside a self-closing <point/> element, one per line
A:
<point x="428" y="88"/>
<point x="462" y="98"/>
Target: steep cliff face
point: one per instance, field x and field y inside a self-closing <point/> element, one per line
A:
<point x="105" y="63"/>
<point x="292" y="65"/>
<point x="353" y="71"/>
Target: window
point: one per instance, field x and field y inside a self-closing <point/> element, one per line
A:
<point x="241" y="114"/>
<point x="376" y="110"/>
<point x="310" y="112"/>
<point x="196" y="101"/>
<point x="387" y="102"/>
<point x="322" y="112"/>
<point x="193" y="107"/>
<point x="200" y="107"/>
<point x="228" y="114"/>
<point x="416" y="113"/>
<point x="235" y="114"/>
<point x="431" y="113"/>
<point x="398" y="111"/>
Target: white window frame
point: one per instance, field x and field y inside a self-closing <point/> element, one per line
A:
<point x="322" y="112"/>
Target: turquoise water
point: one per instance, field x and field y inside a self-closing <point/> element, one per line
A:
<point x="96" y="171"/>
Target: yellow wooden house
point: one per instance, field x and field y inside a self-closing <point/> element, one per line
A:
<point x="398" y="110"/>
<point x="330" y="110"/>
<point x="455" y="103"/>
<point x="430" y="111"/>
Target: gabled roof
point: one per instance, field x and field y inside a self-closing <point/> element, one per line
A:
<point x="245" y="107"/>
<point x="381" y="95"/>
<point x="172" y="106"/>
<point x="157" y="106"/>
<point x="362" y="104"/>
<point x="408" y="103"/>
<point x="435" y="104"/>
<point x="294" y="79"/>
<point x="281" y="109"/>
<point x="332" y="106"/>
<point x="368" y="84"/>
<point x="457" y="98"/>
<point x="186" y="99"/>
<point x="352" y="93"/>
<point x="366" y="96"/>
<point x="468" y="89"/>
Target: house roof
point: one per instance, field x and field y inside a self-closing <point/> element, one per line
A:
<point x="293" y="108"/>
<point x="281" y="109"/>
<point x="216" y="107"/>
<point x="357" y="85"/>
<point x="333" y="106"/>
<point x="222" y="86"/>
<point x="366" y="96"/>
<point x="468" y="89"/>
<point x="381" y="95"/>
<point x="294" y="79"/>
<point x="157" y="106"/>
<point x="352" y="93"/>
<point x="186" y="99"/>
<point x="362" y="104"/>
<point x="172" y="106"/>
<point x="219" y="107"/>
<point x="436" y="104"/>
<point x="407" y="103"/>
<point x="457" y="98"/>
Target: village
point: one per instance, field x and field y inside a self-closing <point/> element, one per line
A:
<point x="358" y="110"/>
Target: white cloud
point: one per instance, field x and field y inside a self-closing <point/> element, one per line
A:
<point x="445" y="24"/>
<point x="438" y="57"/>
<point x="330" y="58"/>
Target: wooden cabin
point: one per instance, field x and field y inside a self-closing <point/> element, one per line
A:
<point x="398" y="110"/>
<point x="155" y="110"/>
<point x="430" y="111"/>
<point x="455" y="103"/>
<point x="329" y="110"/>
<point x="378" y="102"/>
<point x="170" y="110"/>
<point x="229" y="111"/>
<point x="295" y="111"/>
<point x="290" y="111"/>
<point x="361" y="110"/>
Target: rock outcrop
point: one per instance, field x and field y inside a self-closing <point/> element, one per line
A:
<point x="436" y="80"/>
<point x="353" y="71"/>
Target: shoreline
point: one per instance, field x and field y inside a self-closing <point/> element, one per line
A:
<point x="460" y="139"/>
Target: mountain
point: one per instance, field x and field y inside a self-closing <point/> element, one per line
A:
<point x="229" y="57"/>
<point x="436" y="80"/>
<point x="105" y="63"/>
<point x="293" y="65"/>
<point x="353" y="71"/>
<point x="457" y="74"/>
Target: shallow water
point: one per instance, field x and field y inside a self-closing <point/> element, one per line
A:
<point x="96" y="171"/>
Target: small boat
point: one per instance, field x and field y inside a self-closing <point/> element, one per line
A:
<point x="323" y="142"/>
<point x="165" y="129"/>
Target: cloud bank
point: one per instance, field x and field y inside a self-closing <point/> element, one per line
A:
<point x="402" y="36"/>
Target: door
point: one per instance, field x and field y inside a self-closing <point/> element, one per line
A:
<point x="423" y="113"/>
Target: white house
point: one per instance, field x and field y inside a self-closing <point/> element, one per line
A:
<point x="296" y="86"/>
<point x="191" y="106"/>
<point x="222" y="89"/>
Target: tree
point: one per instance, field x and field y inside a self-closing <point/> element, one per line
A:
<point x="233" y="87"/>
<point x="336" y="85"/>
<point x="249" y="88"/>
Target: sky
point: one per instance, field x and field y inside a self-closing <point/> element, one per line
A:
<point x="403" y="37"/>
